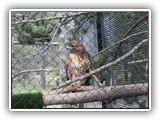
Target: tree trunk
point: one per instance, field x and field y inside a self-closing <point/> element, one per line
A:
<point x="42" y="73"/>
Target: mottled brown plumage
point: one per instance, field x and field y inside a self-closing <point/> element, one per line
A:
<point x="78" y="63"/>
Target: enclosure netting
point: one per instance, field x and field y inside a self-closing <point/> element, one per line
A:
<point x="39" y="52"/>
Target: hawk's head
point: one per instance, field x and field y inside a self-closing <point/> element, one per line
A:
<point x="75" y="46"/>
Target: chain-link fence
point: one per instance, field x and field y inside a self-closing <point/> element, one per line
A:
<point x="119" y="52"/>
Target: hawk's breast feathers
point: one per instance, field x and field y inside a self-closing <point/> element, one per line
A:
<point x="78" y="62"/>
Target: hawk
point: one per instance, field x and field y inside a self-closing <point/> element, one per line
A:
<point x="78" y="63"/>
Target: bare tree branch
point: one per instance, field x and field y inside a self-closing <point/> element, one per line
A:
<point x="100" y="94"/>
<point x="56" y="30"/>
<point x="128" y="32"/>
<point x="138" y="61"/>
<point x="104" y="66"/>
<point x="116" y="43"/>
<point x="50" y="18"/>
<point x="45" y="43"/>
<point x="25" y="23"/>
<point x="27" y="71"/>
<point x="135" y="25"/>
<point x="97" y="81"/>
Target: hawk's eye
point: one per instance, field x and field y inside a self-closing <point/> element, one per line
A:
<point x="72" y="45"/>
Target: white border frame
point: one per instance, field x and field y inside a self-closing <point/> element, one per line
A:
<point x="148" y="10"/>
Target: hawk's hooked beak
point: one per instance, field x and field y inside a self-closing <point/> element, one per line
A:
<point x="68" y="46"/>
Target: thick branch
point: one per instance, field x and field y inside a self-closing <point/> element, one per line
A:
<point x="99" y="94"/>
<point x="104" y="66"/>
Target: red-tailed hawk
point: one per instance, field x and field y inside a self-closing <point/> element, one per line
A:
<point x="77" y="63"/>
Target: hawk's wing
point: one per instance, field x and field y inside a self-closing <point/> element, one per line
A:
<point x="77" y="66"/>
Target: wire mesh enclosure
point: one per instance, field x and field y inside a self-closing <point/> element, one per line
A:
<point x="97" y="59"/>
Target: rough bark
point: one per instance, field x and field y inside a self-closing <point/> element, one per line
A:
<point x="97" y="94"/>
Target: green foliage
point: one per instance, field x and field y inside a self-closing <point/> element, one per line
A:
<point x="82" y="25"/>
<point x="84" y="30"/>
<point x="29" y="33"/>
<point x="77" y="22"/>
<point x="51" y="13"/>
<point x="27" y="101"/>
